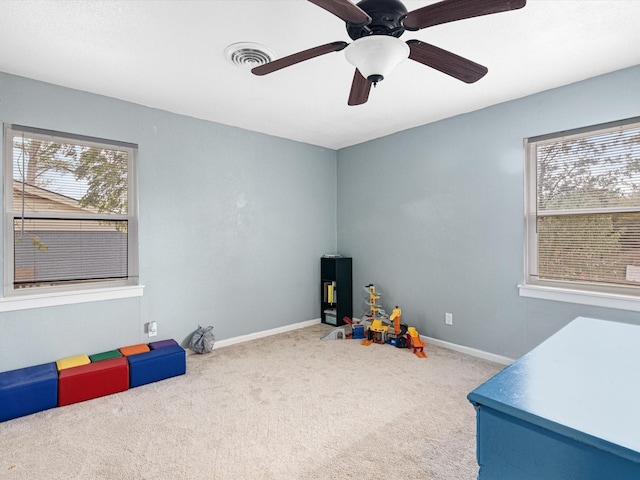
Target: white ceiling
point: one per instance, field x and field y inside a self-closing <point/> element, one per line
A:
<point x="170" y="55"/>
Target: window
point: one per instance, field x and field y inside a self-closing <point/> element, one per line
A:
<point x="70" y="212"/>
<point x="583" y="209"/>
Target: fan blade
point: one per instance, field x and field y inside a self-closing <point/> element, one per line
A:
<point x="452" y="10"/>
<point x="445" y="61"/>
<point x="344" y="10"/>
<point x="298" y="57"/>
<point x="360" y="88"/>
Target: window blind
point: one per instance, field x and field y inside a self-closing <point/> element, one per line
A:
<point x="70" y="209"/>
<point x="587" y="206"/>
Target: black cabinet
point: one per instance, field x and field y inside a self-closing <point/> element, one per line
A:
<point x="336" y="295"/>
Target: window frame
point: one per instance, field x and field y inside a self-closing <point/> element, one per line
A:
<point x="609" y="296"/>
<point x="50" y="295"/>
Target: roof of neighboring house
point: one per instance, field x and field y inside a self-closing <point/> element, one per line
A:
<point x="47" y="199"/>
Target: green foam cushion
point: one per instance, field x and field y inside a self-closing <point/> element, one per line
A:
<point x="105" y="356"/>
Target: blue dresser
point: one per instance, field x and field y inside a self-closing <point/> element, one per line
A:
<point x="567" y="410"/>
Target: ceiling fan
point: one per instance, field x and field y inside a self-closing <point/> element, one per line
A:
<point x="376" y="25"/>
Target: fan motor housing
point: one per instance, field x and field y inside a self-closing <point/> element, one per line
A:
<point x="386" y="19"/>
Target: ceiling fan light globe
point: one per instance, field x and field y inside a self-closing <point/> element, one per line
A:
<point x="376" y="55"/>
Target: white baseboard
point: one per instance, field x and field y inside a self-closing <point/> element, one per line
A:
<point x="433" y="341"/>
<point x="264" y="333"/>
<point x="492" y="357"/>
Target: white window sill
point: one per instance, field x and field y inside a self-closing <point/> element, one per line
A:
<point x="595" y="299"/>
<point x="9" y="304"/>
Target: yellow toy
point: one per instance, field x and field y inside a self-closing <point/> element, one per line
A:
<point x="376" y="330"/>
<point x="416" y="342"/>
<point x="395" y="316"/>
<point x="380" y="324"/>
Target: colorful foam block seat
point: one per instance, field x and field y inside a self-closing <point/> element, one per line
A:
<point x="157" y="365"/>
<point x="28" y="390"/>
<point x="93" y="380"/>
<point x="71" y="362"/>
<point x="97" y="357"/>
<point x="162" y="344"/>
<point x="134" y="349"/>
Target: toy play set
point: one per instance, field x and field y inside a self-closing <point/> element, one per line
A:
<point x="75" y="379"/>
<point x="378" y="327"/>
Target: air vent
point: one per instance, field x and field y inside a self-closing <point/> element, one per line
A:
<point x="248" y="55"/>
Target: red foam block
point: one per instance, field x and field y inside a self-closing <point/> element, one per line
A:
<point x="94" y="380"/>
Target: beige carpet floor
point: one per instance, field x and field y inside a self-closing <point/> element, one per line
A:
<point x="289" y="406"/>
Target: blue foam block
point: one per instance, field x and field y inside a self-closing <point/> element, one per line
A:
<point x="156" y="365"/>
<point x="28" y="390"/>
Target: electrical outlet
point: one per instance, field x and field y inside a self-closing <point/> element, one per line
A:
<point x="152" y="328"/>
<point x="448" y="318"/>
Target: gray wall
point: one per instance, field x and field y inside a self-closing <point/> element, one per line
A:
<point x="434" y="216"/>
<point x="232" y="222"/>
<point x="232" y="225"/>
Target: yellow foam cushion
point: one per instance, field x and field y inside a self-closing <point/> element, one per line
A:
<point x="72" y="362"/>
<point x="134" y="349"/>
